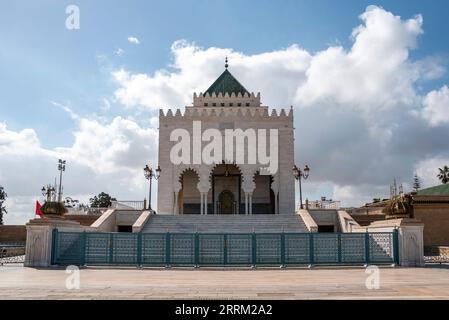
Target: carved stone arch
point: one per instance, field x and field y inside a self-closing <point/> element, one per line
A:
<point x="189" y="168"/>
<point x="214" y="166"/>
<point x="180" y="187"/>
<point x="179" y="172"/>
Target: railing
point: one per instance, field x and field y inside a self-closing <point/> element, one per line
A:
<point x="12" y="252"/>
<point x="131" y="205"/>
<point x="365" y="211"/>
<point x="436" y="254"/>
<point x="247" y="249"/>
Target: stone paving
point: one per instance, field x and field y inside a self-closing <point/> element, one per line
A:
<point x="17" y="282"/>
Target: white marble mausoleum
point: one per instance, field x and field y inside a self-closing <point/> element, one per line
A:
<point x="227" y="186"/>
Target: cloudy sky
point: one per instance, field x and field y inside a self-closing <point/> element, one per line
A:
<point x="368" y="82"/>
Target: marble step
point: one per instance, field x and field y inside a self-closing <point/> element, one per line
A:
<point x="225" y="224"/>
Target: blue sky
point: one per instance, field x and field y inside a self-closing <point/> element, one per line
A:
<point x="42" y="61"/>
<point x="60" y="84"/>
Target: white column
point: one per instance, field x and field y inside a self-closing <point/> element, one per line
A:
<point x="248" y="186"/>
<point x="276" y="206"/>
<point x="205" y="202"/>
<point x="204" y="187"/>
<point x="250" y="203"/>
<point x="176" y="208"/>
<point x="201" y="206"/>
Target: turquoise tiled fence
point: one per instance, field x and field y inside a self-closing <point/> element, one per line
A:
<point x="199" y="249"/>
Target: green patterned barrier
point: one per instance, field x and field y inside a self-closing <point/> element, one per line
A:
<point x="201" y="249"/>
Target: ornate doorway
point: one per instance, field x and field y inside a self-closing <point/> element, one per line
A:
<point x="226" y="189"/>
<point x="226" y="202"/>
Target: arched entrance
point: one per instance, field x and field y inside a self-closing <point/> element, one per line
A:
<point x="189" y="200"/>
<point x="263" y="196"/>
<point x="227" y="204"/>
<point x="226" y="182"/>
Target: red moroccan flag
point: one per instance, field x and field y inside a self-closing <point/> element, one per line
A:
<point x="38" y="209"/>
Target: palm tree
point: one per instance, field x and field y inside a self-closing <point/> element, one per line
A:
<point x="444" y="174"/>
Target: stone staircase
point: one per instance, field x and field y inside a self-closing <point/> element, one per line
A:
<point x="259" y="223"/>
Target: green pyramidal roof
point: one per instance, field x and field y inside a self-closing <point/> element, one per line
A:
<point x="226" y="83"/>
<point x="441" y="190"/>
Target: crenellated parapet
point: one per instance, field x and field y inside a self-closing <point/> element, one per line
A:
<point x="226" y="112"/>
<point x="226" y="100"/>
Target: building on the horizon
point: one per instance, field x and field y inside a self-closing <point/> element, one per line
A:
<point x="323" y="203"/>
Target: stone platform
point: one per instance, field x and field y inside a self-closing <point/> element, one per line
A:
<point x="319" y="283"/>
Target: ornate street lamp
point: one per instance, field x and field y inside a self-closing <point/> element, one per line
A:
<point x="61" y="168"/>
<point x="49" y="193"/>
<point x="299" y="174"/>
<point x="149" y="174"/>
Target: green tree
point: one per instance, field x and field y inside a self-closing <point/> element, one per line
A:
<point x="103" y="200"/>
<point x="3" y="197"/>
<point x="416" y="183"/>
<point x="443" y="175"/>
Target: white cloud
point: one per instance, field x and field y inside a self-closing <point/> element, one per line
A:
<point x="104" y="157"/>
<point x="436" y="107"/>
<point x="105" y="104"/>
<point x="17" y="143"/>
<point x="119" y="145"/>
<point x="427" y="170"/>
<point x="133" y="40"/>
<point x="194" y="69"/>
<point x="67" y="109"/>
<point x="357" y="195"/>
<point x="374" y="75"/>
<point x="20" y="209"/>
<point x="119" y="52"/>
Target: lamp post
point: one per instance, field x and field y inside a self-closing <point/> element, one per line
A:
<point x="61" y="168"/>
<point x="49" y="193"/>
<point x="149" y="174"/>
<point x="299" y="174"/>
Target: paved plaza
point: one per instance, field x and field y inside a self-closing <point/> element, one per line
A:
<point x="17" y="282"/>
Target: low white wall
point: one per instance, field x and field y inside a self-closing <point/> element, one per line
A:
<point x="410" y="232"/>
<point x="126" y="217"/>
<point x="141" y="221"/>
<point x="347" y="223"/>
<point x="106" y="222"/>
<point x="325" y="217"/>
<point x="308" y="220"/>
<point x="39" y="239"/>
